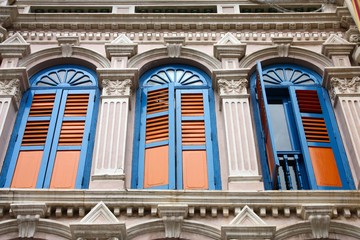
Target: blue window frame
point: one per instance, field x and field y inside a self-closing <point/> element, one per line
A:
<point x="299" y="141"/>
<point x="175" y="144"/>
<point x="53" y="137"/>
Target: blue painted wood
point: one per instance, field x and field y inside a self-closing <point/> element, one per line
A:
<point x="181" y="78"/>
<point x="267" y="126"/>
<point x="281" y="80"/>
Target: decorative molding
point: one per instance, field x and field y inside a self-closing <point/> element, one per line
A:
<point x="122" y="46"/>
<point x="14" y="47"/>
<point x="174" y="45"/>
<point x="67" y="43"/>
<point x="116" y="87"/>
<point x="173" y="216"/>
<point x="99" y="223"/>
<point x="229" y="47"/>
<point x="247" y="217"/>
<point x="308" y="210"/>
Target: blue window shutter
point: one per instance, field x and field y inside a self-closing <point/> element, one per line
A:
<point x="194" y="143"/>
<point x="324" y="156"/>
<point x="273" y="161"/>
<point x="157" y="138"/>
<point x="35" y="117"/>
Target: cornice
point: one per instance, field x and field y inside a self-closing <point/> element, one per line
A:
<point x="263" y="203"/>
<point x="139" y="21"/>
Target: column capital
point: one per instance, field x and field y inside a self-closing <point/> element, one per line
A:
<point x="117" y="82"/>
<point x="231" y="83"/>
<point x="342" y="81"/>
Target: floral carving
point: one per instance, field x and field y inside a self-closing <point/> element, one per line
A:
<point x="117" y="87"/>
<point x="344" y="86"/>
<point x="232" y="87"/>
<point x="11" y="87"/>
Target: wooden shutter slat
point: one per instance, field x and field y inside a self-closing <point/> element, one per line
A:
<point x="35" y="133"/>
<point x="71" y="133"/>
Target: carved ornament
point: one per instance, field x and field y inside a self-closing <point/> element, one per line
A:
<point x="117" y="87"/>
<point x="344" y="86"/>
<point x="232" y="87"/>
<point x="11" y="88"/>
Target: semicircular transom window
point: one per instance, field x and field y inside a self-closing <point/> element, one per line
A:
<point x="289" y="75"/>
<point x="66" y="76"/>
<point x="178" y="76"/>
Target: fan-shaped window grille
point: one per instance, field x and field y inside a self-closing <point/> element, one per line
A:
<point x="178" y="76"/>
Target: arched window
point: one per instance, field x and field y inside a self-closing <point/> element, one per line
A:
<point x="175" y="143"/>
<point x="52" y="141"/>
<point x="299" y="141"/>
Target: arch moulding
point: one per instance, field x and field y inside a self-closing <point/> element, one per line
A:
<point x="159" y="56"/>
<point x="53" y="56"/>
<point x="296" y="55"/>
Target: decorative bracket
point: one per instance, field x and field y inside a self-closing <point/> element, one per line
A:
<point x="117" y="82"/>
<point x="319" y="217"/>
<point x="283" y="45"/>
<point x="173" y="217"/>
<point x="174" y="45"/>
<point x="67" y="43"/>
<point x="28" y="215"/>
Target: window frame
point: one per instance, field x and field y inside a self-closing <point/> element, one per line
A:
<point x="327" y="113"/>
<point x="177" y="88"/>
<point x="51" y="146"/>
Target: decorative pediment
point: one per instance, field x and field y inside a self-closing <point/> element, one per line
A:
<point x="247" y="217"/>
<point x="228" y="39"/>
<point x="100" y="223"/>
<point x="122" y="46"/>
<point x="336" y="45"/>
<point x="14" y="47"/>
<point x="247" y="225"/>
<point x="229" y="47"/>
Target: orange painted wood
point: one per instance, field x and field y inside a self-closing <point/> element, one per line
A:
<point x="195" y="170"/>
<point x="27" y="169"/>
<point x="157" y="129"/>
<point x="325" y="169"/>
<point x="193" y="132"/>
<point x="156" y="166"/>
<point x="35" y="133"/>
<point x="315" y="129"/>
<point x="192" y="104"/>
<point x="42" y="105"/>
<point x="157" y="101"/>
<point x="71" y="133"/>
<point x="65" y="169"/>
<point x="308" y="101"/>
<point x="76" y="105"/>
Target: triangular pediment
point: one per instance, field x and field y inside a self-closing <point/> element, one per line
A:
<point x="247" y="217"/>
<point x="229" y="39"/>
<point x="122" y="40"/>
<point x="335" y="39"/>
<point x="15" y="39"/>
<point x="100" y="214"/>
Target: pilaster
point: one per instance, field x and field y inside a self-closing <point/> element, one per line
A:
<point x="344" y="88"/>
<point x="232" y="86"/>
<point x="110" y="142"/>
<point x="13" y="81"/>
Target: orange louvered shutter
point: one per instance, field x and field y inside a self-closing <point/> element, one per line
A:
<point x="194" y="152"/>
<point x="316" y="133"/>
<point x="33" y="141"/>
<point x="157" y="133"/>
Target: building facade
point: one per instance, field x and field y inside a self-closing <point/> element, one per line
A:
<point x="154" y="119"/>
